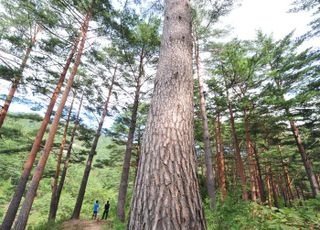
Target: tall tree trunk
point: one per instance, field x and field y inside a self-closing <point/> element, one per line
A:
<point x="268" y="188"/>
<point x="27" y="204"/>
<point x="221" y="163"/>
<point x="16" y="199"/>
<point x="261" y="186"/>
<point x="166" y="192"/>
<point x="17" y="79"/>
<point x="239" y="163"/>
<point x="306" y="161"/>
<point x="83" y="186"/>
<point x="286" y="175"/>
<point x="129" y="145"/>
<point x="205" y="133"/>
<point x="66" y="163"/>
<point x="59" y="157"/>
<point x="273" y="187"/>
<point x="252" y="164"/>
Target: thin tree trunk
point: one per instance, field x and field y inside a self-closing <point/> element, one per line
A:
<point x="17" y="79"/>
<point x="274" y="190"/>
<point x="16" y="199"/>
<point x="268" y="188"/>
<point x="66" y="162"/>
<point x="205" y="134"/>
<point x="27" y="204"/>
<point x="59" y="157"/>
<point x="251" y="161"/>
<point x="306" y="161"/>
<point x="166" y="193"/>
<point x="261" y="186"/>
<point x="127" y="158"/>
<point x="83" y="186"/>
<point x="221" y="164"/>
<point x="239" y="163"/>
<point x="286" y="175"/>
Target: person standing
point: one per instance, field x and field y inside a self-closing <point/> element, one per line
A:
<point x="106" y="210"/>
<point x="95" y="209"/>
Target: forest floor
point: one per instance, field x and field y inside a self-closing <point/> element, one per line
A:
<point x="86" y="225"/>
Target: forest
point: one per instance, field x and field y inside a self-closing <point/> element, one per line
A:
<point x="146" y="105"/>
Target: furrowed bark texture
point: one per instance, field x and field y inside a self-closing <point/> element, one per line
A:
<point x="126" y="163"/>
<point x="205" y="135"/>
<point x="85" y="178"/>
<point x="17" y="79"/>
<point x="166" y="193"/>
<point x="27" y="204"/>
<point x="15" y="202"/>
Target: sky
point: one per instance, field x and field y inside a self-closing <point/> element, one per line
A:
<point x="271" y="16"/>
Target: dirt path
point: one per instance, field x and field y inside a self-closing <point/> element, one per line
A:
<point x="86" y="225"/>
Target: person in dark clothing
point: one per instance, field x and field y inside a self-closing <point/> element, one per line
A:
<point x="106" y="210"/>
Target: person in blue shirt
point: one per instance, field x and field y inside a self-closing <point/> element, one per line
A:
<point x="95" y="209"/>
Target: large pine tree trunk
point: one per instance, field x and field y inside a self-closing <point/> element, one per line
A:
<point x="239" y="163"/>
<point x="205" y="134"/>
<point x="221" y="164"/>
<point x="66" y="164"/>
<point x="129" y="145"/>
<point x="306" y="161"/>
<point x="17" y="79"/>
<point x="16" y="199"/>
<point x="83" y="186"/>
<point x="166" y="193"/>
<point x="57" y="171"/>
<point x="251" y="161"/>
<point x="27" y="204"/>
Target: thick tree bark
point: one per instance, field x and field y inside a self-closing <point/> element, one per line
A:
<point x="306" y="161"/>
<point x="166" y="193"/>
<point x="251" y="161"/>
<point x="205" y="134"/>
<point x="129" y="145"/>
<point x="16" y="199"/>
<point x="57" y="171"/>
<point x="27" y="204"/>
<point x="239" y="163"/>
<point x="66" y="163"/>
<point x="83" y="186"/>
<point x="221" y="164"/>
<point x="17" y="79"/>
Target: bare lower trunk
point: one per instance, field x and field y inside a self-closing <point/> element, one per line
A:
<point x="57" y="172"/>
<point x="27" y="204"/>
<point x="17" y="79"/>
<point x="66" y="163"/>
<point x="129" y="145"/>
<point x="306" y="161"/>
<point x="268" y="189"/>
<point x="221" y="164"/>
<point x="274" y="190"/>
<point x="16" y="199"/>
<point x="286" y="175"/>
<point x="166" y="193"/>
<point x="83" y="186"/>
<point x="252" y="164"/>
<point x="262" y="190"/>
<point x="205" y="135"/>
<point x="239" y="163"/>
